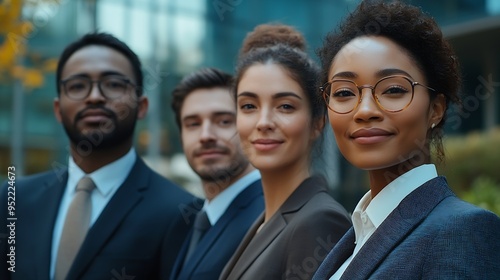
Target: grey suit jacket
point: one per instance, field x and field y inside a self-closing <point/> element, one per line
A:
<point x="295" y="240"/>
<point x="430" y="235"/>
<point x="138" y="233"/>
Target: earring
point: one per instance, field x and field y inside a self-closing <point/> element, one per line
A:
<point x="433" y="126"/>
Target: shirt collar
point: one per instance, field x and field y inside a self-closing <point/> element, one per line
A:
<point x="104" y="182"/>
<point x="391" y="195"/>
<point x="359" y="229"/>
<point x="219" y="204"/>
<point x="378" y="208"/>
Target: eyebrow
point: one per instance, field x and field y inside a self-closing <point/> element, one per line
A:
<point x="391" y="71"/>
<point x="346" y="74"/>
<point x="275" y="96"/>
<point x="103" y="74"/>
<point x="214" y="114"/>
<point x="379" y="74"/>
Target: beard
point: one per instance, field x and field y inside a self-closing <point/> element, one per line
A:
<point x="218" y="177"/>
<point x="107" y="134"/>
<point x="222" y="173"/>
<point x="217" y="170"/>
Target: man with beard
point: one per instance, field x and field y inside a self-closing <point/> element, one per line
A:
<point x="206" y="115"/>
<point x="107" y="215"/>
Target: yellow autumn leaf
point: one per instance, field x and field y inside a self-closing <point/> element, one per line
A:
<point x="22" y="29"/>
<point x="7" y="56"/>
<point x="50" y="65"/>
<point x="10" y="12"/>
<point x="33" y="78"/>
<point x="14" y="34"/>
<point x="17" y="43"/>
<point x="17" y="71"/>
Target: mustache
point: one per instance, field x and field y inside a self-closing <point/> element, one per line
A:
<point x="211" y="148"/>
<point x="106" y="111"/>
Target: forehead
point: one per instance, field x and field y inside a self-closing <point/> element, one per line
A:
<point x="94" y="60"/>
<point x="369" y="54"/>
<point x="268" y="78"/>
<point x="208" y="101"/>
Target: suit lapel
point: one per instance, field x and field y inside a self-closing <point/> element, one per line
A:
<point x="255" y="244"/>
<point x="179" y="261"/>
<point x="230" y="266"/>
<point x="381" y="243"/>
<point x="47" y="206"/>
<point x="122" y="202"/>
<point x="204" y="246"/>
<point x="397" y="226"/>
<point x="337" y="256"/>
<point x="252" y="246"/>
<point x="213" y="234"/>
<point x="304" y="192"/>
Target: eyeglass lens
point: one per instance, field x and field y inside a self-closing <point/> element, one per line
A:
<point x="392" y="94"/>
<point x="111" y="87"/>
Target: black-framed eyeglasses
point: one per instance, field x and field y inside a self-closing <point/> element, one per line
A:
<point x="111" y="87"/>
<point x="392" y="94"/>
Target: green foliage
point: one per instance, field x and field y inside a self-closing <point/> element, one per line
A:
<point x="472" y="168"/>
<point x="484" y="193"/>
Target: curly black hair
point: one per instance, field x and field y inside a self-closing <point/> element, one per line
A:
<point x="412" y="29"/>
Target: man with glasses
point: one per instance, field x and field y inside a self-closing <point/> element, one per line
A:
<point x="107" y="215"/>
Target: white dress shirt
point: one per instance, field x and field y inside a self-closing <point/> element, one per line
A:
<point x="219" y="204"/>
<point x="107" y="180"/>
<point x="371" y="212"/>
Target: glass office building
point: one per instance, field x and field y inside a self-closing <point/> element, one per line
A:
<point x="175" y="37"/>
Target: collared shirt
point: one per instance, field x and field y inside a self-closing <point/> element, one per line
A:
<point x="370" y="213"/>
<point x="106" y="186"/>
<point x="216" y="208"/>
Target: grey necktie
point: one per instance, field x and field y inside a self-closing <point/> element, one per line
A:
<point x="75" y="227"/>
<point x="201" y="225"/>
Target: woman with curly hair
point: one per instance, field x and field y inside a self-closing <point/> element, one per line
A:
<point x="389" y="78"/>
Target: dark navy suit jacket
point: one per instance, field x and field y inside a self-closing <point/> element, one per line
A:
<point x="432" y="234"/>
<point x="221" y="240"/>
<point x="138" y="233"/>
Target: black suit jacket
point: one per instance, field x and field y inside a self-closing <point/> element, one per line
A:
<point x="295" y="240"/>
<point x="221" y="240"/>
<point x="138" y="233"/>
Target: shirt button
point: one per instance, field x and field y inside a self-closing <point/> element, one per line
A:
<point x="363" y="218"/>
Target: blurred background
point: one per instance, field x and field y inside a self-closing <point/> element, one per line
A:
<point x="175" y="37"/>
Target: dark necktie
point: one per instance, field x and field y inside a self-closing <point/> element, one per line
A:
<point x="201" y="225"/>
<point x="75" y="227"/>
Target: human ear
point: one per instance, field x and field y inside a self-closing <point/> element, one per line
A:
<point x="143" y="104"/>
<point x="57" y="110"/>
<point x="437" y="110"/>
<point x="317" y="128"/>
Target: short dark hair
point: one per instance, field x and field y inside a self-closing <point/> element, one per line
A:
<point x="101" y="39"/>
<point x="205" y="78"/>
<point x="414" y="31"/>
